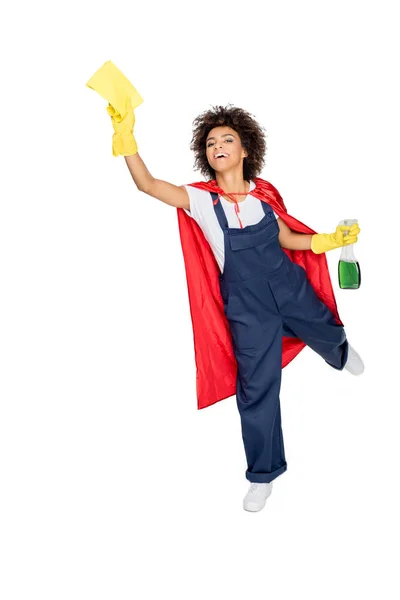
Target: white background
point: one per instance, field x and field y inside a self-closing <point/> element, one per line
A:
<point x="113" y="485"/>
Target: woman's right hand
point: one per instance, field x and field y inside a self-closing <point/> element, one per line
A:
<point x="123" y="142"/>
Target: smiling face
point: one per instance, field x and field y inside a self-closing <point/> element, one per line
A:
<point x="224" y="140"/>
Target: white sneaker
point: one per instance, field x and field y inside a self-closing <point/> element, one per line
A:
<point x="256" y="496"/>
<point x="354" y="363"/>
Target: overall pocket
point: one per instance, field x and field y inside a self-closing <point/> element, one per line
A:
<point x="241" y="239"/>
<point x="257" y="252"/>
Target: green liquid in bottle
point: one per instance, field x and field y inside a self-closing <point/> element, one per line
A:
<point x="349" y="275"/>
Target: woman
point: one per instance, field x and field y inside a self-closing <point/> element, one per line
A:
<point x="267" y="296"/>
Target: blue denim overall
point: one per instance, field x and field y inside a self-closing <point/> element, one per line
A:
<point x="267" y="296"/>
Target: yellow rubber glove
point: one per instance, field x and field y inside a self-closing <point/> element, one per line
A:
<point x="113" y="86"/>
<point x="123" y="141"/>
<point x="322" y="242"/>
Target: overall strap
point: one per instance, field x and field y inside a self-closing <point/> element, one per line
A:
<point x="267" y="207"/>
<point x="219" y="211"/>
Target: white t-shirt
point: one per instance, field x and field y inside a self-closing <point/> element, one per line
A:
<point x="203" y="212"/>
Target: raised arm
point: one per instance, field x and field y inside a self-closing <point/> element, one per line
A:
<point x="169" y="193"/>
<point x="124" y="143"/>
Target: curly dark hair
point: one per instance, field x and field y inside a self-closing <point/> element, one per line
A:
<point x="251" y="134"/>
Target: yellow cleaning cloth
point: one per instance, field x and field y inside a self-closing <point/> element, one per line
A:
<point x="113" y="86"/>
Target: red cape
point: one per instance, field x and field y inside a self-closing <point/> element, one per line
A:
<point x="216" y="365"/>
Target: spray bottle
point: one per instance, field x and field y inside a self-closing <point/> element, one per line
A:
<point x="349" y="271"/>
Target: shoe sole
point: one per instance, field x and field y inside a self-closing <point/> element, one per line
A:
<point x="249" y="509"/>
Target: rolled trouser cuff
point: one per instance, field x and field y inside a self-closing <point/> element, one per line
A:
<point x="345" y="354"/>
<point x="265" y="477"/>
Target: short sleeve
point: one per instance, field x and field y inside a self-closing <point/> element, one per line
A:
<point x="193" y="195"/>
<point x="199" y="207"/>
